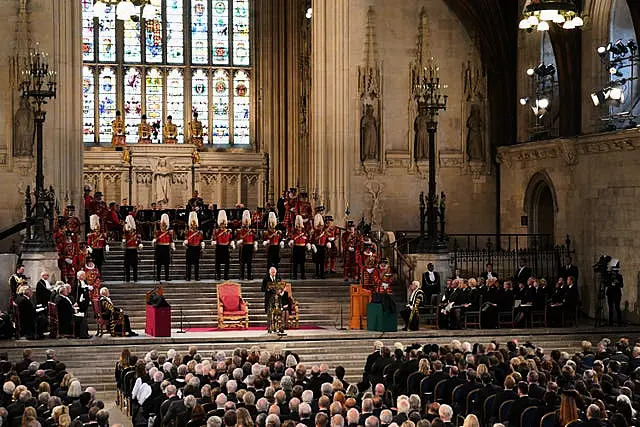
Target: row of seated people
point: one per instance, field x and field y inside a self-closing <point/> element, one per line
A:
<point x="591" y="388"/>
<point x="44" y="393"/>
<point x="62" y="311"/>
<point x="492" y="304"/>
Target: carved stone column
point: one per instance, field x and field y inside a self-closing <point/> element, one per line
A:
<point x="278" y="88"/>
<point x="331" y="105"/>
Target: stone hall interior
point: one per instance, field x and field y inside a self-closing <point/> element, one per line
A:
<point x="454" y="132"/>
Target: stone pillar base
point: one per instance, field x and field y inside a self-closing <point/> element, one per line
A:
<point x="37" y="262"/>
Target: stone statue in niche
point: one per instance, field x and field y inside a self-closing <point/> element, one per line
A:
<point x="162" y="174"/>
<point x="369" y="135"/>
<point x="475" y="131"/>
<point x="421" y="139"/>
<point x="24" y="130"/>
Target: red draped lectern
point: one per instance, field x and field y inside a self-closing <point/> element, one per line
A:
<point x="360" y="297"/>
<point x="158" y="318"/>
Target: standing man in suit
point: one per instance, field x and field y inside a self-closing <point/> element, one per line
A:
<point x="569" y="270"/>
<point x="43" y="290"/>
<point x="65" y="311"/>
<point x="430" y="283"/>
<point x="488" y="273"/>
<point x="523" y="273"/>
<point x="269" y="292"/>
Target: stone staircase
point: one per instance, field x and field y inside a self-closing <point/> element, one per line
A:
<point x="93" y="361"/>
<point x="113" y="268"/>
<point x="320" y="302"/>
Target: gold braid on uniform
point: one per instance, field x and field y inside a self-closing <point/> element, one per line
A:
<point x="108" y="306"/>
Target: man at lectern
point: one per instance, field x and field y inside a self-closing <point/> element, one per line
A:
<point x="272" y="277"/>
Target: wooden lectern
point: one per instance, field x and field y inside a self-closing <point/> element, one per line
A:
<point x="360" y="297"/>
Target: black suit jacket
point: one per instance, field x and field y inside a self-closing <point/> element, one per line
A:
<point x="536" y="392"/>
<point x="65" y="315"/>
<point x="429" y="287"/>
<point x="502" y="397"/>
<point x="570" y="271"/>
<point x="43" y="295"/>
<point x="27" y="316"/>
<point x="23" y="365"/>
<point x="484" y="275"/>
<point x="521" y="276"/>
<point x="518" y="407"/>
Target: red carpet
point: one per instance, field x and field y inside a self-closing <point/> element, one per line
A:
<point x="250" y="328"/>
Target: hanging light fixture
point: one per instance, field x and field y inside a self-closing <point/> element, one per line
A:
<point x="127" y="9"/>
<point x="538" y="14"/>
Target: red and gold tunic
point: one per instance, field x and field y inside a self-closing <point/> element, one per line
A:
<point x="69" y="259"/>
<point x="164" y="237"/>
<point x="292" y="208"/>
<point x="96" y="240"/>
<point x="318" y="237"/>
<point x="385" y="277"/>
<point x="333" y="233"/>
<point x="369" y="277"/>
<point x="247" y="235"/>
<point x="273" y="236"/>
<point x="131" y="239"/>
<point x="349" y="247"/>
<point x="300" y="237"/>
<point x="193" y="237"/>
<point x="93" y="279"/>
<point x="222" y="236"/>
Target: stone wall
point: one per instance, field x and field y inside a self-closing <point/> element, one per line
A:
<point x="596" y="186"/>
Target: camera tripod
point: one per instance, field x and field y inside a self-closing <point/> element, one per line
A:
<point x="601" y="280"/>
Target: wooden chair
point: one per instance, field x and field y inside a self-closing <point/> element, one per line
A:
<point x="101" y="323"/>
<point x="456" y="399"/>
<point x="486" y="407"/>
<point x="427" y="396"/>
<point x="292" y="319"/>
<point x="438" y="391"/>
<point x="472" y="402"/>
<point x="472" y="317"/>
<point x="108" y="325"/>
<point x="233" y="310"/>
<point x="505" y="319"/>
<point x="539" y="317"/>
<point x="575" y="423"/>
<point x="429" y="312"/>
<point x="530" y="417"/>
<point x="548" y="419"/>
<point x="504" y="411"/>
<point x="413" y="382"/>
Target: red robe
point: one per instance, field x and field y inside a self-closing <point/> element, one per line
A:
<point x="93" y="279"/>
<point x="193" y="237"/>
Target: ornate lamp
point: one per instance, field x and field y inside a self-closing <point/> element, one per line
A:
<point x="427" y="92"/>
<point x="126" y="9"/>
<point x="540" y="14"/>
<point x="38" y="84"/>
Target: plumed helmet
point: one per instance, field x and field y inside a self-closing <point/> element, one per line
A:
<point x="164" y="220"/>
<point x="273" y="219"/>
<point x="246" y="217"/>
<point x="222" y="217"/>
<point x="318" y="221"/>
<point x="94" y="222"/>
<point x="299" y="222"/>
<point x="193" y="219"/>
<point x="129" y="223"/>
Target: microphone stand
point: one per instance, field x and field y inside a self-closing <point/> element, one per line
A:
<point x="341" y="328"/>
<point x="181" y="330"/>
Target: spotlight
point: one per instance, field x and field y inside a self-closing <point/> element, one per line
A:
<point x="530" y="71"/>
<point x="616" y="94"/>
<point x="602" y="50"/>
<point x="309" y="13"/>
<point x="524" y="100"/>
<point x="615" y="72"/>
<point x="543" y="103"/>
<point x="550" y="70"/>
<point x="597" y="97"/>
<point x="633" y="47"/>
<point x="621" y="48"/>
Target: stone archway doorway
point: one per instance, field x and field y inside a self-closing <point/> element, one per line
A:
<point x="541" y="207"/>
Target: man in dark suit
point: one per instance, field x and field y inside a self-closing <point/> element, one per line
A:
<point x="433" y="379"/>
<point x="522" y="402"/>
<point x="455" y="379"/>
<point x="507" y="394"/>
<point x="23" y="365"/>
<point x="535" y="391"/>
<point x="522" y="274"/>
<point x="30" y="323"/>
<point x="269" y="292"/>
<point x="43" y="290"/>
<point x="488" y="389"/>
<point x="281" y="206"/>
<point x="65" y="311"/>
<point x="171" y="392"/>
<point x="569" y="270"/>
<point x="488" y="272"/>
<point x="405" y="370"/>
<point x="430" y="283"/>
<point x="371" y="360"/>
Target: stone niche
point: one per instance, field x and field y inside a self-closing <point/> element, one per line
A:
<point x="161" y="172"/>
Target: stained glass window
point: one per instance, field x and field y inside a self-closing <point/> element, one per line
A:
<point x="153" y="38"/>
<point x="241" y="108"/>
<point x="175" y="100"/>
<point x="175" y="32"/>
<point x="87" y="31"/>
<point x="107" y="102"/>
<point x="88" y="114"/>
<point x="154" y="103"/>
<point x="220" y="48"/>
<point x="220" y="101"/>
<point x="200" y="98"/>
<point x="194" y="55"/>
<point x="107" y="35"/>
<point x="132" y="103"/>
<point x="240" y="32"/>
<point x="132" y="45"/>
<point x="199" y="32"/>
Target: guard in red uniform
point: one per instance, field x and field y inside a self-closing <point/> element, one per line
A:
<point x="306" y="211"/>
<point x="163" y="243"/>
<point x="72" y="223"/>
<point x="349" y="248"/>
<point x="319" y="245"/>
<point x="368" y="269"/>
<point x="333" y="233"/>
<point x="194" y="242"/>
<point x="292" y="209"/>
<point x="97" y="242"/>
<point x="246" y="238"/>
<point x="69" y="257"/>
<point x="273" y="241"/>
<point x="99" y="207"/>
<point x="222" y="239"/>
<point x="385" y="277"/>
<point x="300" y="244"/>
<point x="92" y="277"/>
<point x="132" y="242"/>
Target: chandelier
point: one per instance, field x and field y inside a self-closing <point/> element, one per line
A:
<point x="539" y="14"/>
<point x="127" y="9"/>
